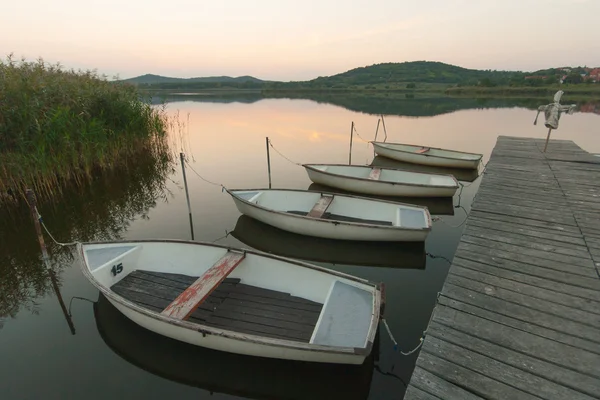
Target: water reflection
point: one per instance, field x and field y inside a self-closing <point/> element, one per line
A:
<point x="100" y="210"/>
<point x="216" y="371"/>
<point x="436" y="205"/>
<point x="377" y="254"/>
<point x="388" y="103"/>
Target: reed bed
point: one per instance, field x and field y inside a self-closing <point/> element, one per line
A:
<point x="62" y="127"/>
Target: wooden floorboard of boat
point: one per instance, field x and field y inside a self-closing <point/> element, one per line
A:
<point x="344" y="218"/>
<point x="232" y="305"/>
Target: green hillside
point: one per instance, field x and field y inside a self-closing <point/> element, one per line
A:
<point x="420" y="75"/>
<point x="150" y="79"/>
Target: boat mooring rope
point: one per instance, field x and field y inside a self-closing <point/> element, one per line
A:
<point x="200" y="176"/>
<point x="77" y="298"/>
<point x="442" y="257"/>
<point x="360" y="137"/>
<point x="48" y="232"/>
<point x="278" y="152"/>
<point x="387" y="328"/>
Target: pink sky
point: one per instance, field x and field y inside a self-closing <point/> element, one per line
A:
<point x="297" y="40"/>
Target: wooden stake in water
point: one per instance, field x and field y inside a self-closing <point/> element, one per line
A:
<point x="268" y="161"/>
<point x="187" y="194"/>
<point x="384" y="130"/>
<point x="351" y="136"/>
<point x="31" y="199"/>
<point x="377" y="130"/>
<point x="547" y="139"/>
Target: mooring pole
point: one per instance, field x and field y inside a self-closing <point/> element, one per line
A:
<point x="351" y="136"/>
<point x="547" y="139"/>
<point x="31" y="199"/>
<point x="268" y="161"/>
<point x="187" y="194"/>
<point x="384" y="130"/>
<point x="377" y="130"/>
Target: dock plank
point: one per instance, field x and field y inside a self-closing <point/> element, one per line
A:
<point x="519" y="312"/>
<point x="555" y="373"/>
<point x="494" y="370"/>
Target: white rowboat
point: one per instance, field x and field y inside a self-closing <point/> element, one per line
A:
<point x="243" y="302"/>
<point x="427" y="155"/>
<point x="382" y="181"/>
<point x="334" y="216"/>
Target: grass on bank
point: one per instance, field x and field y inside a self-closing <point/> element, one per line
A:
<point x="59" y="127"/>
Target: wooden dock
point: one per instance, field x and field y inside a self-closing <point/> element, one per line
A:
<point x="519" y="314"/>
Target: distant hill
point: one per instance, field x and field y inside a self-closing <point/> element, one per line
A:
<point x="386" y="76"/>
<point x="150" y="79"/>
<point x="389" y="75"/>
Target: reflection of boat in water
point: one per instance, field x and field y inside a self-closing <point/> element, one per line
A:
<point x="435" y="205"/>
<point x="215" y="371"/>
<point x="378" y="254"/>
<point x="465" y="175"/>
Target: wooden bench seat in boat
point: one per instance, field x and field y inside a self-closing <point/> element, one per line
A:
<point x="375" y="173"/>
<point x="344" y="218"/>
<point x="345" y="317"/>
<point x="185" y="304"/>
<point x="320" y="207"/>
<point x="232" y="305"/>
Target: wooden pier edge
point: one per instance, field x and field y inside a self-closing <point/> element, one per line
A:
<point x="518" y="316"/>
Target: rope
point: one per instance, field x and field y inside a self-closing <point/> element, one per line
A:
<point x="200" y="176"/>
<point x="278" y="152"/>
<point x="442" y="257"/>
<point x="453" y="226"/>
<point x="78" y="298"/>
<point x="49" y="234"/>
<point x="222" y="237"/>
<point x="396" y="344"/>
<point x="378" y="369"/>
<point x="360" y="137"/>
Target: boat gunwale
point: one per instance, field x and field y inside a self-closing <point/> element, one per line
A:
<point x="425" y="209"/>
<point x="256" y="339"/>
<point x="310" y="166"/>
<point x="374" y="143"/>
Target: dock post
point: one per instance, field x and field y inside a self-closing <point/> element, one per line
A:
<point x="351" y="136"/>
<point x="187" y="194"/>
<point x="547" y="139"/>
<point x="31" y="199"/>
<point x="268" y="161"/>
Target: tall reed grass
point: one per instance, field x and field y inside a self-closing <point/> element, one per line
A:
<point x="59" y="127"/>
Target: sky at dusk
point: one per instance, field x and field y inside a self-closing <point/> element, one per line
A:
<point x="298" y="40"/>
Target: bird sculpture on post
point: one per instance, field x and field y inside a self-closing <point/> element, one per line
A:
<point x="552" y="113"/>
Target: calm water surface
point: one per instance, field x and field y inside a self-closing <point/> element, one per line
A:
<point x="110" y="357"/>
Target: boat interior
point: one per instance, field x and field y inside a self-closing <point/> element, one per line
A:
<point x="236" y="291"/>
<point x="388" y="175"/>
<point x="433" y="152"/>
<point x="338" y="208"/>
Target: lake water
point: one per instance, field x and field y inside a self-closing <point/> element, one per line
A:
<point x="110" y="357"/>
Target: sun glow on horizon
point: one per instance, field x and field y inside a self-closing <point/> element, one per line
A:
<point x="299" y="40"/>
